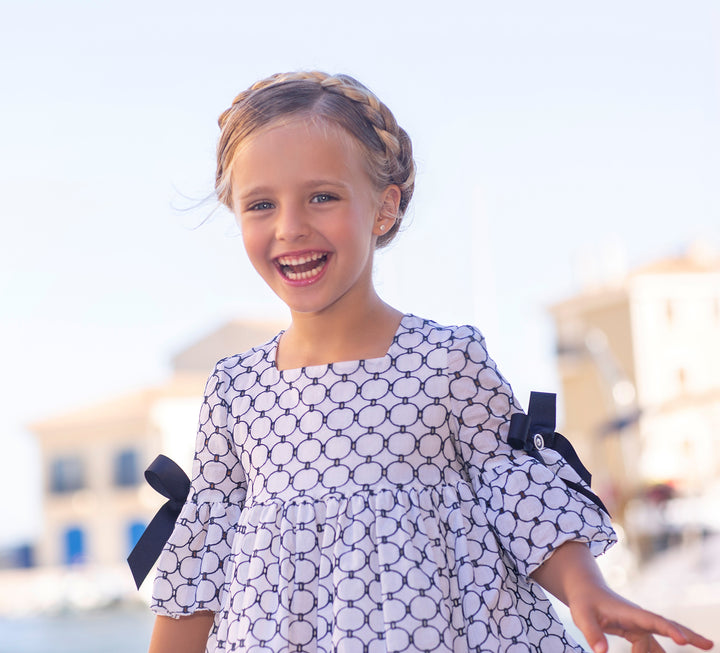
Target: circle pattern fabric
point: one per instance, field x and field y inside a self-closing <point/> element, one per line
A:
<point x="370" y="506"/>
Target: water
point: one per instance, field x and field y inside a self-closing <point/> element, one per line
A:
<point x="117" y="630"/>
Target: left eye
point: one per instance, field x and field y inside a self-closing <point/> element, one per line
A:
<point x="322" y="197"/>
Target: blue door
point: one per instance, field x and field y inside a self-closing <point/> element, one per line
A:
<point x="74" y="546"/>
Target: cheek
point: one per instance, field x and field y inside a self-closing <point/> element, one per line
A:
<point x="253" y="242"/>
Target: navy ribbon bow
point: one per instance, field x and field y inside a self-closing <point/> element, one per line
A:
<point x="166" y="477"/>
<point x="536" y="431"/>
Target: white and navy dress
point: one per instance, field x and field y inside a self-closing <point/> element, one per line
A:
<point x="371" y="506"/>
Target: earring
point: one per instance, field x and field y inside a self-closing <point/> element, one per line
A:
<point x="382" y="227"/>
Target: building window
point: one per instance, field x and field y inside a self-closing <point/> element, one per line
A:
<point x="74" y="546"/>
<point x="67" y="474"/>
<point x="127" y="468"/>
<point x="135" y="531"/>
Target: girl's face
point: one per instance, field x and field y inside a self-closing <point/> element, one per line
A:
<point x="309" y="214"/>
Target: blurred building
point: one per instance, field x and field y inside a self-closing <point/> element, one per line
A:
<point x="639" y="361"/>
<point x="95" y="500"/>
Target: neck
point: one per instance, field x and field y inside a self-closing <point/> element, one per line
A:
<point x="364" y="330"/>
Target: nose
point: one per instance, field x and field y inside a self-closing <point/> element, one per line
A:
<point x="291" y="223"/>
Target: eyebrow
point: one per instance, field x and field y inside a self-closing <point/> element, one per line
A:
<point x="325" y="182"/>
<point x="265" y="190"/>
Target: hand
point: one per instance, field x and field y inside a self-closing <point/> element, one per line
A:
<point x="597" y="610"/>
<point x="572" y="575"/>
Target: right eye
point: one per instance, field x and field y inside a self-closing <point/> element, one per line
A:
<point x="260" y="206"/>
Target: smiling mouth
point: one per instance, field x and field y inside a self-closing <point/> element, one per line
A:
<point x="301" y="268"/>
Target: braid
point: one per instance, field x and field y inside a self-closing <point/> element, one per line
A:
<point x="355" y="108"/>
<point x="397" y="143"/>
<point x="277" y="78"/>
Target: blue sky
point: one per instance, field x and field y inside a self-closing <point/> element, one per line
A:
<point x="551" y="139"/>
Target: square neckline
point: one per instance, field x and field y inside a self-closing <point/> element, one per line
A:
<point x="300" y="371"/>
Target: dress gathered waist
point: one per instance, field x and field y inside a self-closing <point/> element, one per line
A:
<point x="416" y="494"/>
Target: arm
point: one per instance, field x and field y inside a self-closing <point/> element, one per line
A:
<point x="191" y="570"/>
<point x="528" y="506"/>
<point x="572" y="575"/>
<point x="184" y="635"/>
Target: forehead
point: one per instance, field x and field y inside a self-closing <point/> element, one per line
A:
<point x="297" y="145"/>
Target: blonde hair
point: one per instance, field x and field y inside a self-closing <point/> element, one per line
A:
<point x="337" y="99"/>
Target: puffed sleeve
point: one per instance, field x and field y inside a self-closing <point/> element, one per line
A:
<point x="192" y="567"/>
<point x="528" y="506"/>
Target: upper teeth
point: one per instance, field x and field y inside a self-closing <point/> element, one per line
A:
<point x="299" y="260"/>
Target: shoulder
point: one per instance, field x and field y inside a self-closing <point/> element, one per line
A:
<point x="472" y="374"/>
<point x="463" y="338"/>
<point x="251" y="362"/>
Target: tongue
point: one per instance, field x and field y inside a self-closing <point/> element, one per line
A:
<point x="304" y="267"/>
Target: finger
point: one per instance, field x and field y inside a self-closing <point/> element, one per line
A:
<point x="589" y="626"/>
<point x="639" y="637"/>
<point x="681" y="634"/>
<point x="641" y="645"/>
<point x="654" y="623"/>
<point x="693" y="638"/>
<point x="655" y="646"/>
<point x="649" y="622"/>
<point x="647" y="644"/>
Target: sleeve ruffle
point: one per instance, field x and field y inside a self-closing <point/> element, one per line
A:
<point x="529" y="507"/>
<point x="532" y="512"/>
<point x="192" y="568"/>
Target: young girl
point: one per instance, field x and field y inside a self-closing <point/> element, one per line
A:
<point x="353" y="487"/>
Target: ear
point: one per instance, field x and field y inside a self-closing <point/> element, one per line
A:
<point x="389" y="202"/>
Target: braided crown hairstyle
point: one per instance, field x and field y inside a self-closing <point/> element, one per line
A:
<point x="336" y="99"/>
